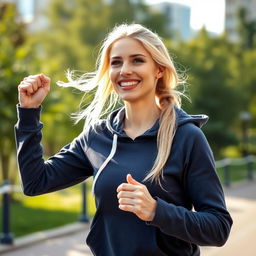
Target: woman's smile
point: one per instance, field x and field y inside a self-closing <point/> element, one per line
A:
<point x="128" y="84"/>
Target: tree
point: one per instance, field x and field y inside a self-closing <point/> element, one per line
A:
<point x="246" y="30"/>
<point x="244" y="70"/>
<point x="208" y="62"/>
<point x="136" y="11"/>
<point x="76" y="29"/>
<point x="67" y="43"/>
<point x="13" y="61"/>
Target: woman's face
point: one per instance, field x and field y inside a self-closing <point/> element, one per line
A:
<point x="133" y="72"/>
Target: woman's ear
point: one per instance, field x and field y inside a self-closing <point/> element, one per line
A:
<point x="160" y="72"/>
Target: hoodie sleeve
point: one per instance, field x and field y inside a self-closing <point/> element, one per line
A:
<point x="209" y="223"/>
<point x="68" y="167"/>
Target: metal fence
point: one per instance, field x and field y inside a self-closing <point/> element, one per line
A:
<point x="228" y="165"/>
<point x="6" y="237"/>
<point x="6" y="189"/>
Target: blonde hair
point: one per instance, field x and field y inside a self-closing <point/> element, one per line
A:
<point x="106" y="98"/>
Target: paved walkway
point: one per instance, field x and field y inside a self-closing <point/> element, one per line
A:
<point x="241" y="201"/>
<point x="66" y="241"/>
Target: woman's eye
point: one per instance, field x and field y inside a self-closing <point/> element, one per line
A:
<point x="138" y="60"/>
<point x="115" y="62"/>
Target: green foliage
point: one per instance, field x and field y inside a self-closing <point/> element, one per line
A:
<point x="13" y="61"/>
<point x="243" y="71"/>
<point x="246" y="29"/>
<point x="221" y="82"/>
<point x="76" y="29"/>
<point x="138" y="12"/>
<point x="210" y="89"/>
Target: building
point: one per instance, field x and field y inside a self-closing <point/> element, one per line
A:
<point x="31" y="12"/>
<point x="178" y="18"/>
<point x="231" y="13"/>
<point x="35" y="13"/>
<point x="25" y="8"/>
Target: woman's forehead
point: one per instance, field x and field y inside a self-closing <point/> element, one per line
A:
<point x="127" y="47"/>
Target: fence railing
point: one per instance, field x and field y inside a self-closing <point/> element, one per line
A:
<point x="6" y="189"/>
<point x="6" y="237"/>
<point x="227" y="164"/>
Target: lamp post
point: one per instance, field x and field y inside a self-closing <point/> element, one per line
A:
<point x="245" y="117"/>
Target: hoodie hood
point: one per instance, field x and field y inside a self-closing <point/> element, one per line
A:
<point x="183" y="118"/>
<point x="116" y="118"/>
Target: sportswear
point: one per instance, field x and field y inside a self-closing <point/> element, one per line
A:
<point x="190" y="210"/>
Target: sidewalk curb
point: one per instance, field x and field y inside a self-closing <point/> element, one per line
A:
<point x="44" y="235"/>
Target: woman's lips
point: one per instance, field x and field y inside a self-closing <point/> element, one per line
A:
<point x="127" y="85"/>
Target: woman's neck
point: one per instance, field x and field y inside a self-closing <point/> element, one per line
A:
<point x="139" y="118"/>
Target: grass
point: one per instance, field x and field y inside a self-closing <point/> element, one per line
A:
<point x="236" y="173"/>
<point x="26" y="220"/>
<point x="32" y="214"/>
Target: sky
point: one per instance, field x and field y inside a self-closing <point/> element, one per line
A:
<point x="208" y="13"/>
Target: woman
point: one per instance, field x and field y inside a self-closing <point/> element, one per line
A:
<point x="151" y="162"/>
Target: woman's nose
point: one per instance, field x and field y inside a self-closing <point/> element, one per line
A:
<point x="126" y="69"/>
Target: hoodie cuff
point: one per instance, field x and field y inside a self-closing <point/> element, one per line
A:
<point x="159" y="219"/>
<point x="28" y="118"/>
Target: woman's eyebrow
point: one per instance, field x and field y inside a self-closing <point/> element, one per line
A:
<point x="131" y="56"/>
<point x="137" y="55"/>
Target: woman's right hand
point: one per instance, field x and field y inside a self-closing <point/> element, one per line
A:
<point x="33" y="90"/>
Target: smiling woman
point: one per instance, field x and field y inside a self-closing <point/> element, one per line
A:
<point x="134" y="75"/>
<point x="151" y="162"/>
<point x="133" y="72"/>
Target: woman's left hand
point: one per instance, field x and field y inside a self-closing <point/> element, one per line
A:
<point x="134" y="197"/>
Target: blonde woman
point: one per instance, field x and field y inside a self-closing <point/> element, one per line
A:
<point x="150" y="161"/>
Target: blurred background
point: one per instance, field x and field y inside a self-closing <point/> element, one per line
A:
<point x="212" y="43"/>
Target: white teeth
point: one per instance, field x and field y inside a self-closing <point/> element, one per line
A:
<point x="124" y="84"/>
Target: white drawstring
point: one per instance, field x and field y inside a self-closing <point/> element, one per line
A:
<point x="110" y="156"/>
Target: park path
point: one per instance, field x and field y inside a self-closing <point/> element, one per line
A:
<point x="241" y="201"/>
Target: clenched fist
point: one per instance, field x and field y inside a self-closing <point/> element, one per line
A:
<point x="135" y="197"/>
<point x="33" y="90"/>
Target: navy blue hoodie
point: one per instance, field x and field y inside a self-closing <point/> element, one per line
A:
<point x="190" y="209"/>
